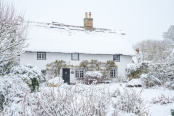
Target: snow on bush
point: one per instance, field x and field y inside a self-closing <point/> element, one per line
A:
<point x="93" y="77"/>
<point x="162" y="100"/>
<point x="57" y="81"/>
<point x="149" y="80"/>
<point x="97" y="74"/>
<point x="29" y="74"/>
<point x="170" y="84"/>
<point x="14" y="89"/>
<point x="134" y="82"/>
<point x="130" y="101"/>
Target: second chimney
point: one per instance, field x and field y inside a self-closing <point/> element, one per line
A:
<point x="89" y="14"/>
<point x="86" y="15"/>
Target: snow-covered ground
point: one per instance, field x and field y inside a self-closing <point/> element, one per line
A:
<point x="147" y="95"/>
<point x="100" y="99"/>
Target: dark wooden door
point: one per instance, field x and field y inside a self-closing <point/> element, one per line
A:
<point x="66" y="75"/>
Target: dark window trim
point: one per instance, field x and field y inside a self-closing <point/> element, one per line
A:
<point x="41" y="52"/>
<point x="74" y="53"/>
<point x="116" y="60"/>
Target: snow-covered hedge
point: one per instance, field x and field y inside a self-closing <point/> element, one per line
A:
<point x="30" y="74"/>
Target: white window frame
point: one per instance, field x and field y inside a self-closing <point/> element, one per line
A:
<point x="116" y="58"/>
<point x="41" y="55"/>
<point x="113" y="73"/>
<point x="79" y="73"/>
<point x="74" y="54"/>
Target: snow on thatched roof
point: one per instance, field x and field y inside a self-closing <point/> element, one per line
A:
<point x="51" y="37"/>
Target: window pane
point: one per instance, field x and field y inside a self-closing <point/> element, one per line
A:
<point x="81" y="74"/>
<point x="77" y="73"/>
<point x="43" y="55"/>
<point x="39" y="55"/>
<point x="74" y="56"/>
<point x="113" y="73"/>
<point x="116" y="58"/>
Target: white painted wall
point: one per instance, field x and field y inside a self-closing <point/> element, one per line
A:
<point x="31" y="58"/>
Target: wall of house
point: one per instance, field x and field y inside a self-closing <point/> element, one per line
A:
<point x="31" y="58"/>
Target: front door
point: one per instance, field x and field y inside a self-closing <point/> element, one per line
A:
<point x="66" y="75"/>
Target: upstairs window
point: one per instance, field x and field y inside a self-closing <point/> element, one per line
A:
<point x="113" y="72"/>
<point x="41" y="55"/>
<point x="79" y="73"/>
<point x="74" y="56"/>
<point x="116" y="58"/>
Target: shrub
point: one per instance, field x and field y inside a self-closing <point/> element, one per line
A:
<point x="149" y="80"/>
<point x="130" y="101"/>
<point x="14" y="90"/>
<point x="163" y="100"/>
<point x="172" y="112"/>
<point x="29" y="74"/>
<point x="93" y="77"/>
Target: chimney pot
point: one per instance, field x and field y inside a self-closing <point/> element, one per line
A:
<point x="86" y="15"/>
<point x="89" y="14"/>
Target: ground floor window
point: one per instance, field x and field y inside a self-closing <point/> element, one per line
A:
<point x="113" y="72"/>
<point x="79" y="73"/>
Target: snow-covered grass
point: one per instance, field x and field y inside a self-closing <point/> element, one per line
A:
<point x="99" y="100"/>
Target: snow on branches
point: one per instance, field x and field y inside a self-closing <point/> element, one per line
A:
<point x="13" y="31"/>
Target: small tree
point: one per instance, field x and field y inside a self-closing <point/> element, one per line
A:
<point x="13" y="31"/>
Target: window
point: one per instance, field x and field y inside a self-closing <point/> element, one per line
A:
<point x="41" y="55"/>
<point x="75" y="56"/>
<point x="116" y="58"/>
<point x="79" y="73"/>
<point x="113" y="72"/>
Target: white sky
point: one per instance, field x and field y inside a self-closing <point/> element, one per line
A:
<point x="139" y="19"/>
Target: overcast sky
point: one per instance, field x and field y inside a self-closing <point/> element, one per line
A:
<point x="139" y="19"/>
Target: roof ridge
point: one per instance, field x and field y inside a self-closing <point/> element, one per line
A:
<point x="80" y="27"/>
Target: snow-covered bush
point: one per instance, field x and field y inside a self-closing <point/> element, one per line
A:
<point x="170" y="84"/>
<point x="130" y="101"/>
<point x="78" y="100"/>
<point x="134" y="71"/>
<point x="162" y="100"/>
<point x="172" y="112"/>
<point x="149" y="80"/>
<point x="55" y="82"/>
<point x="14" y="90"/>
<point x="30" y="74"/>
<point x="134" y="83"/>
<point x="93" y="77"/>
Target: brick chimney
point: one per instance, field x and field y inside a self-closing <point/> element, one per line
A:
<point x="88" y="22"/>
